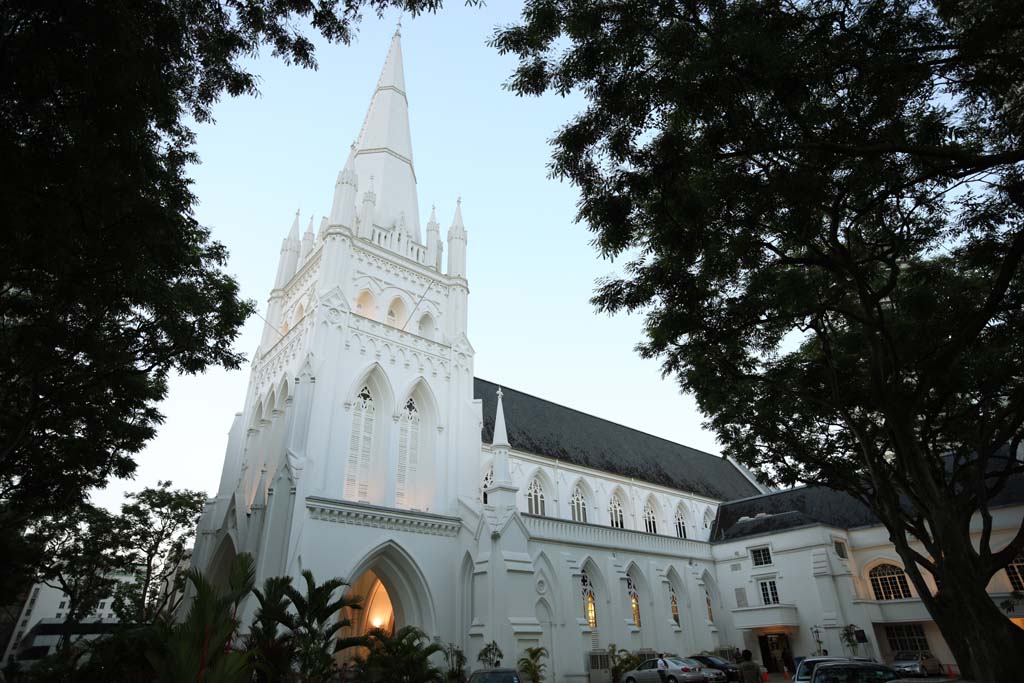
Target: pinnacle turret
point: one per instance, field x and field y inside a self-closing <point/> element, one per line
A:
<point x="307" y="241"/>
<point x="457" y="244"/>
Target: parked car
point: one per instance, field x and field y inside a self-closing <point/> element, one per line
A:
<point x="910" y="663"/>
<point x="852" y="671"/>
<point x="805" y="669"/>
<point x="496" y="676"/>
<point x="731" y="671"/>
<point x="680" y="670"/>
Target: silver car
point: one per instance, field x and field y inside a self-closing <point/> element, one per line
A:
<point x="911" y="663"/>
<point x="679" y="670"/>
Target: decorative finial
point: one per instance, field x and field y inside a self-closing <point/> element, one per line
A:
<point x="398" y="26"/>
<point x="500" y="393"/>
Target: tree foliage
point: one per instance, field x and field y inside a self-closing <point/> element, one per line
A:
<point x="154" y="533"/>
<point x="200" y="648"/>
<point x="821" y="208"/>
<point x="314" y="621"/>
<point x="80" y="551"/>
<point x="402" y="657"/>
<point x="531" y="666"/>
<point x="108" y="284"/>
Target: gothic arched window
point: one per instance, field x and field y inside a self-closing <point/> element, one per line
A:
<point x="535" y="498"/>
<point x="707" y="601"/>
<point x="578" y="506"/>
<point x="673" y="604"/>
<point x="708" y="518"/>
<point x="360" y="447"/>
<point x="634" y="599"/>
<point x="889" y="582"/>
<point x="680" y="523"/>
<point x="589" y="601"/>
<point x="615" y="516"/>
<point x="488" y="482"/>
<point x="650" y="519"/>
<point x="408" y="450"/>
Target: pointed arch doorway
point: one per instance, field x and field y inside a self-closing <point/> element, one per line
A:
<point x="393" y="592"/>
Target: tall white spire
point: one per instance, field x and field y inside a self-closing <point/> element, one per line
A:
<point x="384" y="148"/>
<point x="500" y="437"/>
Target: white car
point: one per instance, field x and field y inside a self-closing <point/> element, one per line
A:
<point x="679" y="670"/>
<point x="920" y="663"/>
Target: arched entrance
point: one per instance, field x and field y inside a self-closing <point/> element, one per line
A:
<point x="393" y="593"/>
<point x="377" y="609"/>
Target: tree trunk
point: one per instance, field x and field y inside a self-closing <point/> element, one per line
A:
<point x="989" y="648"/>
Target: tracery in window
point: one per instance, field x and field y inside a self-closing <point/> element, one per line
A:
<point x="578" y="506"/>
<point x="674" y="604"/>
<point x="650" y="519"/>
<point x="487" y="483"/>
<point x="634" y="599"/>
<point x="360" y="450"/>
<point x="889" y="582"/>
<point x="408" y="450"/>
<point x="680" y="523"/>
<point x="615" y="515"/>
<point x="535" y="498"/>
<point x="1015" y="572"/>
<point x="589" y="601"/>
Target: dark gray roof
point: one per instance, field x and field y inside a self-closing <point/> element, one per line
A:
<point x="544" y="428"/>
<point x="789" y="509"/>
<point x="807" y="505"/>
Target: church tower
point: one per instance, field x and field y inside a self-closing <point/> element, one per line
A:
<point x="362" y="386"/>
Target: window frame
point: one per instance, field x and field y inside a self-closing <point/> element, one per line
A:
<point x="535" y="498"/>
<point x="905" y="637"/>
<point x="1015" y="573"/>
<point x="578" y="505"/>
<point x="650" y="518"/>
<point x="616" y="512"/>
<point x="754" y="554"/>
<point x="890" y="585"/>
<point x="680" y="524"/>
<point x="768" y="589"/>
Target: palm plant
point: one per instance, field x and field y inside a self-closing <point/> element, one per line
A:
<point x="314" y="622"/>
<point x="200" y="648"/>
<point x="400" y="658"/>
<point x="271" y="648"/>
<point x="531" y="666"/>
<point x="490" y="655"/>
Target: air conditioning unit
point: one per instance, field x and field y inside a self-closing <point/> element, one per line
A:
<point x="600" y="666"/>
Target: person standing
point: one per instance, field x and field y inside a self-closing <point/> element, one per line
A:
<point x="662" y="668"/>
<point x="750" y="671"/>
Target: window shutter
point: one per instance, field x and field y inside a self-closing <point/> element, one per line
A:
<point x="366" y="451"/>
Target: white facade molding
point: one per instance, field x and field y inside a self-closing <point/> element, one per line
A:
<point x="360" y="514"/>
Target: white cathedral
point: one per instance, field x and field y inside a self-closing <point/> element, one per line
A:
<point x="368" y="450"/>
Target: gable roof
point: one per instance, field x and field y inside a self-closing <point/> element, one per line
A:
<point x="545" y="428"/>
<point x="796" y="507"/>
<point x="807" y="505"/>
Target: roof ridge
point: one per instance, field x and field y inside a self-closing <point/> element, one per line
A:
<point x="505" y="387"/>
<point x="776" y="493"/>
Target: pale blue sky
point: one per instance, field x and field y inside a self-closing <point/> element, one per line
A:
<point x="531" y="268"/>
